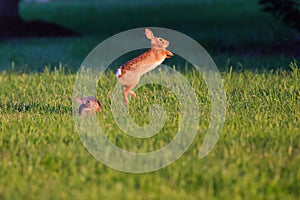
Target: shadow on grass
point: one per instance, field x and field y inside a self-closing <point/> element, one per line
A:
<point x="34" y="107"/>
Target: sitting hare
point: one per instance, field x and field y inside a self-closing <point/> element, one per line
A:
<point x="88" y="105"/>
<point x="130" y="73"/>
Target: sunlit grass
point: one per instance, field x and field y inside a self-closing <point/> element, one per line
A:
<point x="257" y="155"/>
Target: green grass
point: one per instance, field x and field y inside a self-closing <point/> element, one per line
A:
<point x="257" y="156"/>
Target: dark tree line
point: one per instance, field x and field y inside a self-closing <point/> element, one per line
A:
<point x="12" y="25"/>
<point x="286" y="10"/>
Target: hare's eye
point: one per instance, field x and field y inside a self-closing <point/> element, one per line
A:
<point x="160" y="39"/>
<point x="88" y="101"/>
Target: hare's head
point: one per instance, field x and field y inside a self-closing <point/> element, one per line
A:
<point x="156" y="42"/>
<point x="88" y="105"/>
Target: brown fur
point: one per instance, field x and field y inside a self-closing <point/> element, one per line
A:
<point x="130" y="72"/>
<point x="88" y="105"/>
<point x="145" y="58"/>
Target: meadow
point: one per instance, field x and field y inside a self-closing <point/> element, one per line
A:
<point x="256" y="157"/>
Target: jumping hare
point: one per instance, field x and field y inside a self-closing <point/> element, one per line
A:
<point x="88" y="105"/>
<point x="129" y="74"/>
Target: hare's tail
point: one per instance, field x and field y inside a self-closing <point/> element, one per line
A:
<point x="119" y="73"/>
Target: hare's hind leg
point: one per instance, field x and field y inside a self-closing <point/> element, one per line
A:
<point x="131" y="80"/>
<point x="125" y="95"/>
<point x="128" y="90"/>
<point x="132" y="94"/>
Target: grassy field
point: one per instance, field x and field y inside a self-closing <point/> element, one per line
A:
<point x="257" y="156"/>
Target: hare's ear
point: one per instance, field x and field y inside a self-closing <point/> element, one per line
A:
<point x="79" y="100"/>
<point x="149" y="34"/>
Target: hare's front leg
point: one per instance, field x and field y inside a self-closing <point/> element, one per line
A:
<point x="169" y="54"/>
